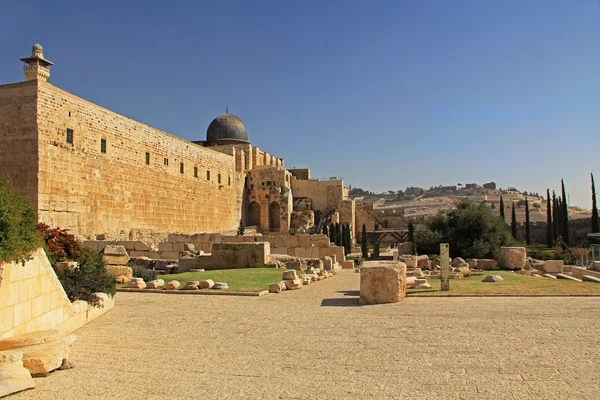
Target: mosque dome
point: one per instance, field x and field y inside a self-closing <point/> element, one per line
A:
<point x="226" y="127"/>
<point x="37" y="47"/>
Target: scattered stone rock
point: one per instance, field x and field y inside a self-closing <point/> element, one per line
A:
<point x="290" y="275"/>
<point x="465" y="271"/>
<point x="291" y="284"/>
<point x="493" y="278"/>
<point x="549" y="276"/>
<point x="512" y="258"/>
<point x="382" y="282"/>
<point x="569" y="277"/>
<point x="115" y="255"/>
<point x="173" y="285"/>
<point x="137" y="283"/>
<point x="277" y="287"/>
<point x="155" y="284"/>
<point x="424" y="285"/>
<point x="487" y="264"/>
<point x="41" y="359"/>
<point x="191" y="285"/>
<point x="220" y="285"/>
<point x="459" y="262"/>
<point x="13" y="376"/>
<point x="66" y="365"/>
<point x="207" y="284"/>
<point x="30" y="339"/>
<point x="553" y="266"/>
<point x="591" y="278"/>
<point x="64" y="266"/>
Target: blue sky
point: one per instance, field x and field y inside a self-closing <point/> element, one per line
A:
<point x="385" y="94"/>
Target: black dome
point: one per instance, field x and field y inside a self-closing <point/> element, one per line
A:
<point x="226" y="127"/>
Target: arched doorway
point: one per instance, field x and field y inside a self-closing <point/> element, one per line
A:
<point x="253" y="216"/>
<point x="274" y="216"/>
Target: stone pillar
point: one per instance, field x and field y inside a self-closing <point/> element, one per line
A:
<point x="445" y="264"/>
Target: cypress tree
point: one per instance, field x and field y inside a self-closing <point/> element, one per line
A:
<point x="344" y="239"/>
<point x="549" y="235"/>
<point x="513" y="222"/>
<point x="554" y="218"/>
<point x="411" y="236"/>
<point x="325" y="230"/>
<point x="595" y="222"/>
<point x="364" y="247"/>
<point x="502" y="209"/>
<point x="565" y="214"/>
<point x="348" y="240"/>
<point x="375" y="254"/>
<point x="527" y="228"/>
<point x="332" y="233"/>
<point x="338" y="234"/>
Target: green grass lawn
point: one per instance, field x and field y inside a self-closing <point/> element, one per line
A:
<point x="239" y="280"/>
<point x="514" y="283"/>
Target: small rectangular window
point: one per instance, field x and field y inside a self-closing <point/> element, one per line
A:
<point x="181" y="168"/>
<point x="195" y="172"/>
<point x="229" y="180"/>
<point x="102" y="145"/>
<point x="147" y="158"/>
<point x="219" y="178"/>
<point x="166" y="161"/>
<point x="208" y="175"/>
<point x="69" y="135"/>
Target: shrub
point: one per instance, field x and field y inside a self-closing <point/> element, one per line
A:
<point x="140" y="271"/>
<point x="60" y="244"/>
<point x="18" y="236"/>
<point x="428" y="242"/>
<point x="89" y="278"/>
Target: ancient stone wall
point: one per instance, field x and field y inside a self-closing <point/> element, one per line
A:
<point x="120" y="174"/>
<point x="18" y="137"/>
<point x="325" y="195"/>
<point x="32" y="299"/>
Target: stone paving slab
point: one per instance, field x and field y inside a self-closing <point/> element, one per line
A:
<point x="317" y="343"/>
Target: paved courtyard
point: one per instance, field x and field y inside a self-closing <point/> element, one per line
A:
<point x="316" y="343"/>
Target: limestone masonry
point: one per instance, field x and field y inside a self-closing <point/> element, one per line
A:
<point x="93" y="171"/>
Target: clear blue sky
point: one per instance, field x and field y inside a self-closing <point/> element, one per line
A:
<point x="385" y="94"/>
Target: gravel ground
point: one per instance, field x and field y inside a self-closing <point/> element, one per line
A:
<point x="316" y="343"/>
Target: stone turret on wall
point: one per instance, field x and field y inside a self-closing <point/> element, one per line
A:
<point x="37" y="67"/>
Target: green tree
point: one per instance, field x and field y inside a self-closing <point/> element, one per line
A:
<point x="364" y="245"/>
<point x="325" y="230"/>
<point x="555" y="231"/>
<point x="549" y="232"/>
<point x="513" y="222"/>
<point x="411" y="235"/>
<point x="18" y="234"/>
<point x="338" y="234"/>
<point x="527" y="227"/>
<point x="565" y="214"/>
<point x="376" y="248"/>
<point x="348" y="239"/>
<point x="595" y="221"/>
<point x="332" y="233"/>
<point x="502" y="209"/>
<point x="471" y="230"/>
<point x="241" y="228"/>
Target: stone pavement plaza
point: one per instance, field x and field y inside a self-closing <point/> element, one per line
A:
<point x="316" y="343"/>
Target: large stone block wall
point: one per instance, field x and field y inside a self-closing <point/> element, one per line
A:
<point x="325" y="195"/>
<point x="32" y="299"/>
<point x="88" y="192"/>
<point x="18" y="137"/>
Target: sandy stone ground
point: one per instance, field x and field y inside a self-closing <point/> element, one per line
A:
<point x="316" y="343"/>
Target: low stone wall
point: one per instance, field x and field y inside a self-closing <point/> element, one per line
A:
<point x="32" y="299"/>
<point x="309" y="246"/>
<point x="230" y="255"/>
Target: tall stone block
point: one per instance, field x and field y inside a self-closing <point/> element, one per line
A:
<point x="512" y="258"/>
<point x="382" y="282"/>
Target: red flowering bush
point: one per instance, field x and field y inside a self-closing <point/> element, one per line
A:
<point x="60" y="244"/>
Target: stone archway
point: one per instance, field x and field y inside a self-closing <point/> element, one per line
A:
<point x="274" y="216"/>
<point x="253" y="215"/>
